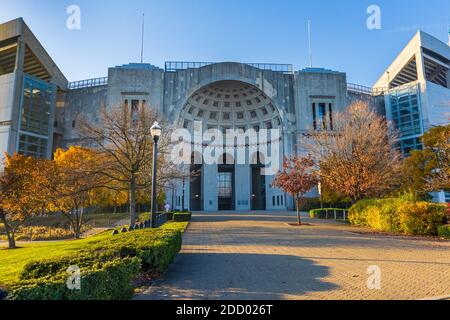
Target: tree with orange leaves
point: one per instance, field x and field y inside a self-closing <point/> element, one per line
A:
<point x="20" y="193"/>
<point x="296" y="179"/>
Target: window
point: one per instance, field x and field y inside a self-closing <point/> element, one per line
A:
<point x="282" y="200"/>
<point x="213" y="115"/>
<point x="269" y="125"/>
<point x="314" y="116"/>
<point x="216" y="103"/>
<point x="224" y="184"/>
<point x="278" y="200"/>
<point x="206" y="101"/>
<point x="323" y="115"/>
<point x="238" y="104"/>
<point x="330" y="111"/>
<point x="253" y="114"/>
<point x="240" y="115"/>
<point x="405" y="113"/>
<point x="273" y="201"/>
<point x="226" y="116"/>
<point x="73" y="123"/>
<point x="200" y="113"/>
<point x="226" y="104"/>
<point x="134" y="106"/>
<point x="249" y="102"/>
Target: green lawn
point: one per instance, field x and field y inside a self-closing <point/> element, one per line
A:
<point x="13" y="261"/>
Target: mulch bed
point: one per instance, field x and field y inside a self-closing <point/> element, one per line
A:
<point x="398" y="235"/>
<point x="300" y="225"/>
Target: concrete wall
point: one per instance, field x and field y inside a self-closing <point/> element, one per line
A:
<point x="85" y="102"/>
<point x="318" y="85"/>
<point x="131" y="83"/>
<point x="7" y="123"/>
<point x="437" y="103"/>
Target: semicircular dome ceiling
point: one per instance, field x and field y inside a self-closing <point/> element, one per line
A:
<point x="230" y="105"/>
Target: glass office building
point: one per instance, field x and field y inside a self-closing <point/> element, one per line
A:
<point x="405" y="112"/>
<point x="37" y="107"/>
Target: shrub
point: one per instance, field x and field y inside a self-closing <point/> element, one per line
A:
<point x="182" y="216"/>
<point x="39" y="233"/>
<point x="421" y="217"/>
<point x="356" y="213"/>
<point x="100" y="281"/>
<point x="444" y="231"/>
<point x="398" y="215"/>
<point x="169" y="216"/>
<point x="107" y="266"/>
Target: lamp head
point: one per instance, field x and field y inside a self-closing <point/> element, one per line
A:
<point x="155" y="131"/>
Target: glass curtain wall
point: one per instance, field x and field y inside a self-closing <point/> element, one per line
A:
<point x="37" y="107"/>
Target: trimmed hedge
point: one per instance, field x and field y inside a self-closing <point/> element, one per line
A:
<point x="107" y="267"/>
<point x="321" y="213"/>
<point x="444" y="231"/>
<point x="308" y="204"/>
<point x="399" y="215"/>
<point x="100" y="281"/>
<point x="182" y="216"/>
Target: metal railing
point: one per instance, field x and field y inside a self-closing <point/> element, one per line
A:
<point x="330" y="213"/>
<point x="95" y="82"/>
<point x="366" y="90"/>
<point x="160" y="219"/>
<point x="172" y="66"/>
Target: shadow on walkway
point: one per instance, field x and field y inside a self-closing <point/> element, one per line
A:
<point x="238" y="276"/>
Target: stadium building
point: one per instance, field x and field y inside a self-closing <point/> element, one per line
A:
<point x="39" y="108"/>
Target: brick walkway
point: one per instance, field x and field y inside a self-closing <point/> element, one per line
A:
<point x="258" y="256"/>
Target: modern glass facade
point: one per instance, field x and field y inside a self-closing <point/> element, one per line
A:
<point x="406" y="116"/>
<point x="37" y="106"/>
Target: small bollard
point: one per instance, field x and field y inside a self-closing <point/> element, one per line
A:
<point x="115" y="232"/>
<point x="124" y="230"/>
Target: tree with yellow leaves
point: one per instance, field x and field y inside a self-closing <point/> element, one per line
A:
<point x="72" y="183"/>
<point x="20" y="196"/>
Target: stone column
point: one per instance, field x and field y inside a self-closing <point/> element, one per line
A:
<point x="209" y="187"/>
<point x="242" y="185"/>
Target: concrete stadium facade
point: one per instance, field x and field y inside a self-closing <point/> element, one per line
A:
<point x="226" y="95"/>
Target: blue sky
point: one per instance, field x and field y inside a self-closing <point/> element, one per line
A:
<point x="229" y="30"/>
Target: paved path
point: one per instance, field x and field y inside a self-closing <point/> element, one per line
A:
<point x="258" y="256"/>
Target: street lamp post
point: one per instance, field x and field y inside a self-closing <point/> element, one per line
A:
<point x="155" y="131"/>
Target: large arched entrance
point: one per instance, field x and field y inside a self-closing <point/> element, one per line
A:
<point x="229" y="105"/>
